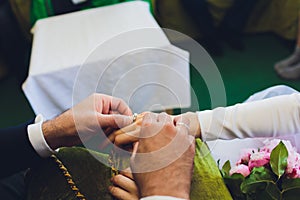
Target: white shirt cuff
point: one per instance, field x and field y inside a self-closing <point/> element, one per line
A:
<point x="161" y="198"/>
<point x="36" y="138"/>
<point x="205" y="118"/>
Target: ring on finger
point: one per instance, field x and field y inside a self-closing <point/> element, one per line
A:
<point x="134" y="117"/>
<point x="183" y="124"/>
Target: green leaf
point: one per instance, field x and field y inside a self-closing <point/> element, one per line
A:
<point x="233" y="184"/>
<point x="290" y="188"/>
<point x="259" y="179"/>
<point x="272" y="191"/>
<point x="278" y="159"/>
<point x="226" y="168"/>
<point x="292" y="194"/>
<point x="289" y="183"/>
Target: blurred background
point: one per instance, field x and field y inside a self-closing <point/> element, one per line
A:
<point x="245" y="38"/>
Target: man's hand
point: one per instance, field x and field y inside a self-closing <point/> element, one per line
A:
<point x="97" y="113"/>
<point x="162" y="162"/>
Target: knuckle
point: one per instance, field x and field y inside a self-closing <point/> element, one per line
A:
<point x="117" y="179"/>
<point x="169" y="126"/>
<point x="113" y="190"/>
<point x="117" y="141"/>
<point x="147" y="115"/>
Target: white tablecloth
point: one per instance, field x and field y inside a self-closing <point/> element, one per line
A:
<point x="117" y="50"/>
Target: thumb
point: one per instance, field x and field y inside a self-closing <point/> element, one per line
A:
<point x="114" y="120"/>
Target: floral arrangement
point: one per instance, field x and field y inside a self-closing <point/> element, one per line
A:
<point x="272" y="172"/>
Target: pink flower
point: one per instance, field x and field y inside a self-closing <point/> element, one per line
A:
<point x="245" y="156"/>
<point x="293" y="165"/>
<point x="240" y="169"/>
<point x="293" y="160"/>
<point x="271" y="144"/>
<point x="259" y="159"/>
<point x="295" y="173"/>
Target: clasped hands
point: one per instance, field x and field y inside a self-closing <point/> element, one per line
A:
<point x="150" y="133"/>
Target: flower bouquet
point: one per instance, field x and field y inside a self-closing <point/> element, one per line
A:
<point x="272" y="172"/>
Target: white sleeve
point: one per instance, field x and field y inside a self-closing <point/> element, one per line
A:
<point x="36" y="138"/>
<point x="277" y="116"/>
<point x="160" y="198"/>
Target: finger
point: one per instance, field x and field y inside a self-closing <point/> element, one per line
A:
<point x="125" y="183"/>
<point x="124" y="136"/>
<point x="127" y="138"/>
<point x="114" y="121"/>
<point x="183" y="125"/>
<point x="127" y="172"/>
<point x="120" y="106"/>
<point x="129" y="128"/>
<point x="119" y="193"/>
<point x="149" y="118"/>
<point x="164" y="118"/>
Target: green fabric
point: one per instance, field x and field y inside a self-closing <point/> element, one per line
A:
<point x="43" y="8"/>
<point x="92" y="177"/>
<point x="207" y="181"/>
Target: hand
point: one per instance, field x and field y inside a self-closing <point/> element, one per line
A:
<point x="162" y="161"/>
<point x="130" y="134"/>
<point x="126" y="136"/>
<point x="194" y="123"/>
<point x="96" y="113"/>
<point x="124" y="187"/>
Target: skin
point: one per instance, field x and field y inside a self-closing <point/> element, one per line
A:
<point x="124" y="187"/>
<point x="175" y="178"/>
<point x="130" y="134"/>
<point x="95" y="113"/>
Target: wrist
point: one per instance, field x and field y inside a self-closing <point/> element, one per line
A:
<point x="156" y="187"/>
<point x="60" y="131"/>
<point x="51" y="134"/>
<point x="195" y="129"/>
<point x="176" y="192"/>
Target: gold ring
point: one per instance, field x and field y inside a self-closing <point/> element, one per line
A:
<point x="134" y="117"/>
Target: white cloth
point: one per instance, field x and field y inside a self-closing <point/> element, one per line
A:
<point x="268" y="118"/>
<point x="118" y="50"/>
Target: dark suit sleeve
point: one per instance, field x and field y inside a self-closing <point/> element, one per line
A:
<point x="16" y="151"/>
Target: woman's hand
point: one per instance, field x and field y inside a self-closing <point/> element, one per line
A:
<point x="124" y="187"/>
<point x="194" y="123"/>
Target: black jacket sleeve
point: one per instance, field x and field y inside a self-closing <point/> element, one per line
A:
<point x="16" y="151"/>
